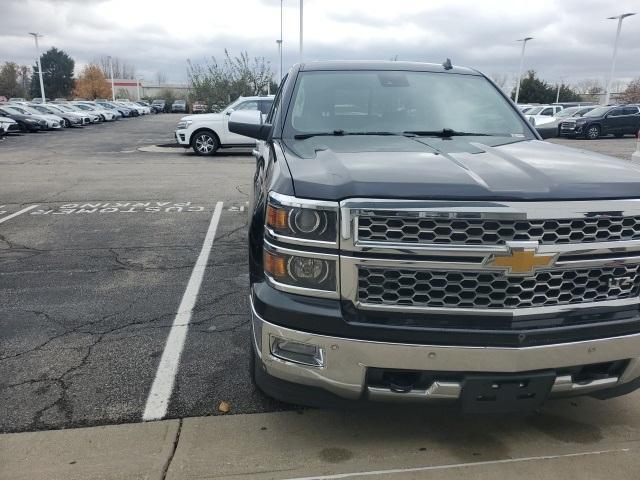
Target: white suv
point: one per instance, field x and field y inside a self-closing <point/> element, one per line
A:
<point x="206" y="133"/>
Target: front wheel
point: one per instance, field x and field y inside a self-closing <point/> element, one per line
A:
<point x="593" y="132"/>
<point x="204" y="143"/>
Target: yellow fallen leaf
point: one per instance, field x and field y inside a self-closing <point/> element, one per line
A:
<point x="224" y="407"/>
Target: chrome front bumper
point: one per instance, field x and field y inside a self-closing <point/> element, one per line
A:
<point x="346" y="362"/>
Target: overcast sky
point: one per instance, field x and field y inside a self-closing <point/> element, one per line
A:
<point x="573" y="40"/>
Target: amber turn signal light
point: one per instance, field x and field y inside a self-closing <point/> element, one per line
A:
<point x="277" y="218"/>
<point x="275" y="265"/>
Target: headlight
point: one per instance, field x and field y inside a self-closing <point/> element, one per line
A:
<point x="184" y="124"/>
<point x="301" y="272"/>
<point x="302" y="221"/>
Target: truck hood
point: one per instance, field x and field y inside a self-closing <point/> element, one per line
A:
<point x="335" y="168"/>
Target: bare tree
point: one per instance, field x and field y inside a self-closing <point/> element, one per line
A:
<point x="161" y="77"/>
<point x="121" y="69"/>
<point x="500" y="79"/>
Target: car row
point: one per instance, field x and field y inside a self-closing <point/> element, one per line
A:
<point x="19" y="115"/>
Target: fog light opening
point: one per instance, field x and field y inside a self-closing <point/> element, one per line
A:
<point x="296" y="352"/>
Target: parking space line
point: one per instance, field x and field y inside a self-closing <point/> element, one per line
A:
<point x="19" y="212"/>
<point x="457" y="465"/>
<point x="160" y="394"/>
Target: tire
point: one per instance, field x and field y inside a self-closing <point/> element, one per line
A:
<point x="65" y="123"/>
<point x="205" y="143"/>
<point x="593" y="132"/>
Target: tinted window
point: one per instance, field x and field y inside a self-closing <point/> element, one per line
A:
<point x="630" y="110"/>
<point x="616" y="112"/>
<point x="250" y="105"/>
<point x="265" y="106"/>
<point x="597" y="112"/>
<point x="398" y="101"/>
<point x="547" y="111"/>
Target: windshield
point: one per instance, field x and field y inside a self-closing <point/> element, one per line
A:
<point x="568" y="112"/>
<point x="534" y="110"/>
<point x="29" y="110"/>
<point x="597" y="112"/>
<point x="400" y="101"/>
<point x="16" y="110"/>
<point x="83" y="107"/>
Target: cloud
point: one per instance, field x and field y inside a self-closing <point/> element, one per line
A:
<point x="572" y="38"/>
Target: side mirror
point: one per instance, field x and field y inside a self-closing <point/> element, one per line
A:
<point x="229" y="112"/>
<point x="249" y="124"/>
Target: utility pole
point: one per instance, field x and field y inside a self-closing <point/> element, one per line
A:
<point x="113" y="91"/>
<point x="524" y="44"/>
<point x="35" y="36"/>
<point x="138" y="87"/>
<point x="301" y="30"/>
<point x="279" y="42"/>
<point x="607" y="96"/>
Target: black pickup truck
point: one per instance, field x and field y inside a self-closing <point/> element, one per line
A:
<point x="413" y="239"/>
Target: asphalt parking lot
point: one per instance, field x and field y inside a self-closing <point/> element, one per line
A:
<point x="98" y="241"/>
<point x="92" y="275"/>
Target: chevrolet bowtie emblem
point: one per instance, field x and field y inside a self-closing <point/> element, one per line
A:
<point x="522" y="261"/>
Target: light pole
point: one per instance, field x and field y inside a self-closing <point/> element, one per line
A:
<point x="301" y="29"/>
<point x="138" y="87"/>
<point x="35" y="36"/>
<point x="113" y="91"/>
<point x="607" y="95"/>
<point x="524" y="44"/>
<point x="279" y="42"/>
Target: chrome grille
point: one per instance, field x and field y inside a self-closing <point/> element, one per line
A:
<point x="469" y="289"/>
<point x="568" y="125"/>
<point x="390" y="227"/>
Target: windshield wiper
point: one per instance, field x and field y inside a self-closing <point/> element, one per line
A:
<point x="445" y="132"/>
<point x="340" y="133"/>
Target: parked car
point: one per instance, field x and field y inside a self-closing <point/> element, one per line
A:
<point x="124" y="111"/>
<point x="423" y="245"/>
<point x="206" y="133"/>
<point x="199" y="107"/>
<point x="140" y="110"/>
<point x="27" y="123"/>
<point x="616" y="120"/>
<point x="52" y="122"/>
<point x="104" y="114"/>
<point x="179" y="106"/>
<point x="8" y="125"/>
<point x="70" y="119"/>
<point x="39" y="100"/>
<point x="17" y="99"/>
<point x="159" y="105"/>
<point x="67" y="106"/>
<point x="549" y="127"/>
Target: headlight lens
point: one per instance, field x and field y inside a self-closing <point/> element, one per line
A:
<point x="301" y="271"/>
<point x="302" y="219"/>
<point x="184" y="123"/>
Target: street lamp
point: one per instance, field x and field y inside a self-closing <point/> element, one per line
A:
<point x="524" y="44"/>
<point x="113" y="91"/>
<point x="35" y="36"/>
<point x="279" y="42"/>
<point x="301" y="24"/>
<point x="607" y="96"/>
<point x="138" y="86"/>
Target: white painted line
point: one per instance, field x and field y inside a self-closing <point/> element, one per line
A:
<point x="19" y="212"/>
<point x="160" y="394"/>
<point x="456" y="465"/>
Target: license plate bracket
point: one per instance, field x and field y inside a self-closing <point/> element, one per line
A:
<point x="505" y="393"/>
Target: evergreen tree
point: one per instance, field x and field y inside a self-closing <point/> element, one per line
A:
<point x="57" y="73"/>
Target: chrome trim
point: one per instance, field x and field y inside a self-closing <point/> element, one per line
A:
<point x="460" y="257"/>
<point x="291" y="201"/>
<point x="565" y="383"/>
<point x="347" y="360"/>
<point x="295" y="202"/>
<point x="297" y="241"/>
<point x="437" y="390"/>
<point x="303" y="290"/>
